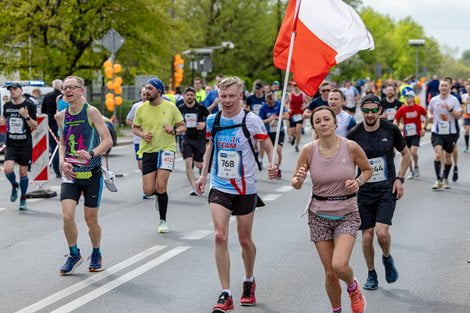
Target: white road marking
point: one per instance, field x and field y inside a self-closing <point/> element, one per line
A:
<point x="2" y="209"/>
<point x="197" y="234"/>
<point x="89" y="281"/>
<point x="137" y="171"/>
<point x="270" y="196"/>
<point x="120" y="280"/>
<point x="34" y="200"/>
<point x="285" y="188"/>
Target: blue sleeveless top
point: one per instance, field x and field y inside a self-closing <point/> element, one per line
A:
<point x="80" y="134"/>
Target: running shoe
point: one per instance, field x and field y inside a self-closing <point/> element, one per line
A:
<point x="145" y="197"/>
<point x="224" y="303"/>
<point x="14" y="194"/>
<point x="455" y="176"/>
<point x="73" y="261"/>
<point x="292" y="141"/>
<point x="296" y="148"/>
<point x="438" y="185"/>
<point x="358" y="301"/>
<point x="162" y="227"/>
<point x="109" y="180"/>
<point x="23" y="206"/>
<point x="410" y="175"/>
<point x="416" y="172"/>
<point x="96" y="262"/>
<point x="391" y="273"/>
<point x="445" y="184"/>
<point x="371" y="283"/>
<point x="193" y="193"/>
<point x="466" y="150"/>
<point x="248" y="298"/>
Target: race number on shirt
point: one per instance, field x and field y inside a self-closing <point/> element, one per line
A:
<point x="256" y="108"/>
<point x="166" y="160"/>
<point x="297" y="117"/>
<point x="410" y="129"/>
<point x="16" y="125"/>
<point x="191" y="120"/>
<point x="273" y="126"/>
<point x="390" y="113"/>
<point x="444" y="128"/>
<point x="228" y="164"/>
<point x="379" y="168"/>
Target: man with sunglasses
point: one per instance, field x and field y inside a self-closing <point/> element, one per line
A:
<point x="377" y="198"/>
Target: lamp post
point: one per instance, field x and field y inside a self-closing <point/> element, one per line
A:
<point x="416" y="43"/>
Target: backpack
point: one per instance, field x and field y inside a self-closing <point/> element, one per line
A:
<point x="216" y="128"/>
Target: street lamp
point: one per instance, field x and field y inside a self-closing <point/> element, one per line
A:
<point x="416" y="43"/>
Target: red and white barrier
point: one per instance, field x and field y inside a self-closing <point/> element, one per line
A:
<point x="40" y="159"/>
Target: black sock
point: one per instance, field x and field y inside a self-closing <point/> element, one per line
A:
<point x="446" y="170"/>
<point x="466" y="140"/>
<point x="437" y="169"/>
<point x="162" y="199"/>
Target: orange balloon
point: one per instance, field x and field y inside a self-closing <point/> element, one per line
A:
<point x="117" y="68"/>
<point x="107" y="63"/>
<point x="110" y="85"/>
<point x="118" y="90"/>
<point x="118" y="100"/>
<point x="110" y="104"/>
<point x="108" y="72"/>
<point x="109" y="95"/>
<point x="118" y="80"/>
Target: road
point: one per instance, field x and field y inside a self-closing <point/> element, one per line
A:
<point x="148" y="272"/>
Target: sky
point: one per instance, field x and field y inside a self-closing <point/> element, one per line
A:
<point x="448" y="21"/>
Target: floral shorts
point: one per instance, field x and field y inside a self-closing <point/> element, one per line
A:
<point x="325" y="229"/>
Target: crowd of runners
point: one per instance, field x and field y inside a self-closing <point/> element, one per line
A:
<point x="225" y="134"/>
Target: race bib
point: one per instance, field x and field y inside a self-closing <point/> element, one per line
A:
<point x="166" y="160"/>
<point x="229" y="164"/>
<point x="273" y="125"/>
<point x="66" y="180"/>
<point x="444" y="128"/>
<point x="16" y="125"/>
<point x="467" y="108"/>
<point x="297" y="117"/>
<point x="256" y="108"/>
<point x="379" y="168"/>
<point x="390" y="113"/>
<point x="191" y="120"/>
<point x="410" y="129"/>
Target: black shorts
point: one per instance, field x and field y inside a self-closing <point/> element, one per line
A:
<point x="352" y="110"/>
<point x="272" y="136"/>
<point x="446" y="141"/>
<point x="412" y="141"/>
<point x="376" y="204"/>
<point x="92" y="189"/>
<point x="21" y="156"/>
<point x="466" y="122"/>
<point x="237" y="204"/>
<point x="293" y="123"/>
<point x="194" y="148"/>
<point x="151" y="161"/>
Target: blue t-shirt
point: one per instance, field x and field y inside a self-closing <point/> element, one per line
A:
<point x="210" y="98"/>
<point x="317" y="102"/>
<point x="266" y="111"/>
<point x="255" y="103"/>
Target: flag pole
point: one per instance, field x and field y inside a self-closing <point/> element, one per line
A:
<point x="286" y="81"/>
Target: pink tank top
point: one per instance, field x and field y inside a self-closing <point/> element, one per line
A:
<point x="328" y="178"/>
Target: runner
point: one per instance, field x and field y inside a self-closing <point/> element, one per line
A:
<point x="256" y="99"/>
<point x="233" y="185"/>
<point x="351" y="95"/>
<point x="377" y="198"/>
<point x="466" y="116"/>
<point x="194" y="142"/>
<point x="390" y="104"/>
<point x="19" y="114"/>
<point x="157" y="122"/>
<point x="333" y="215"/>
<point x="296" y="101"/>
<point x="344" y="120"/>
<point x="84" y="137"/>
<point x="444" y="109"/>
<point x="410" y="115"/>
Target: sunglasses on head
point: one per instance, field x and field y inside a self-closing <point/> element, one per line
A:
<point x="373" y="110"/>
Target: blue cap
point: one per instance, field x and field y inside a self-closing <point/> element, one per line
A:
<point x="408" y="92"/>
<point x="157" y="83"/>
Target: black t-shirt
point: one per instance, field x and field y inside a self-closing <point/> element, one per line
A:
<point x="317" y="102"/>
<point x="198" y="113"/>
<point x="255" y="103"/>
<point x="379" y="147"/>
<point x="18" y="131"/>
<point x="390" y="108"/>
<point x="49" y="106"/>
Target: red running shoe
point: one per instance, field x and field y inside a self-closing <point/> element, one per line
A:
<point x="358" y="301"/>
<point x="248" y="298"/>
<point x="224" y="303"/>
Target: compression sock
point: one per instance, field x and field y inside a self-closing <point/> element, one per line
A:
<point x="162" y="199"/>
<point x="96" y="251"/>
<point x="437" y="169"/>
<point x="74" y="250"/>
<point x="466" y="140"/>
<point x="24" y="181"/>
<point x="352" y="287"/>
<point x="12" y="179"/>
<point x="446" y="170"/>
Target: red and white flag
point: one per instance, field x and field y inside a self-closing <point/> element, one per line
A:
<point x="326" y="33"/>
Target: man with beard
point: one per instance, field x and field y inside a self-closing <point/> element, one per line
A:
<point x="377" y="197"/>
<point x="390" y="104"/>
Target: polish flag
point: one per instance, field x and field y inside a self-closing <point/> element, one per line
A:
<point x="325" y="33"/>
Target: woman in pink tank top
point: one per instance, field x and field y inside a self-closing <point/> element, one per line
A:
<point x="333" y="216"/>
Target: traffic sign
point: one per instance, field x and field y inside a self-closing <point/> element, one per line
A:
<point x="112" y="41"/>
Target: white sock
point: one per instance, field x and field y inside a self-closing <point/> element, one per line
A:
<point x="227" y="291"/>
<point x="250" y="279"/>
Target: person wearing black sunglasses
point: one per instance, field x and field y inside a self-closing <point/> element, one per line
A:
<point x="377" y="198"/>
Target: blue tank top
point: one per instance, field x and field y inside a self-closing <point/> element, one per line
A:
<point x="79" y="134"/>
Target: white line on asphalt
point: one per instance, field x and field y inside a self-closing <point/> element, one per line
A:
<point x="34" y="200"/>
<point x="285" y="188"/>
<point x="197" y="234"/>
<point x="89" y="281"/>
<point x="1" y="209"/>
<point x="120" y="280"/>
<point x="271" y="196"/>
<point x="137" y="171"/>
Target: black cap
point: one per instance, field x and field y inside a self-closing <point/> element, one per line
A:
<point x="259" y="85"/>
<point x="370" y="98"/>
<point x="15" y="85"/>
<point x="190" y="89"/>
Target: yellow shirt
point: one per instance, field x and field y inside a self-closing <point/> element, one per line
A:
<point x="152" y="119"/>
<point x="200" y="95"/>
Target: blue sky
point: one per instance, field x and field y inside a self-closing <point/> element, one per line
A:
<point x="448" y="21"/>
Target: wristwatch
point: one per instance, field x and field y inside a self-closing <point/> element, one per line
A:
<point x="92" y="154"/>
<point x="401" y="179"/>
<point x="451" y="109"/>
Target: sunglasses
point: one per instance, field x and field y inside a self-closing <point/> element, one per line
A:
<point x="325" y="90"/>
<point x="373" y="110"/>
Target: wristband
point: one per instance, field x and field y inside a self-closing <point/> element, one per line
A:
<point x="401" y="179"/>
<point x="92" y="154"/>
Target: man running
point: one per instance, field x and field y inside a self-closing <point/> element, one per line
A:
<point x="84" y="137"/>
<point x="233" y="185"/>
<point x="390" y="104"/>
<point x="444" y="109"/>
<point x="19" y="114"/>
<point x="296" y="102"/>
<point x="157" y="122"/>
<point x="410" y="115"/>
<point x="345" y="121"/>
<point x="466" y="116"/>
<point x="377" y="198"/>
<point x="194" y="142"/>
